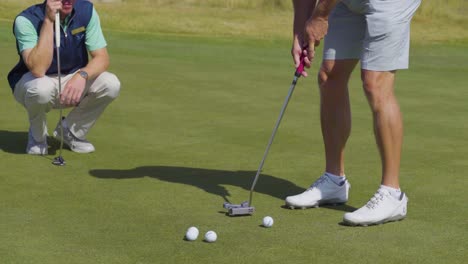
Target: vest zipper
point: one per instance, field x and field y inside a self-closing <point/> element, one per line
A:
<point x="64" y="32"/>
<point x="68" y="24"/>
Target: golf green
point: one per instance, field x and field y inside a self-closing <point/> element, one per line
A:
<point x="187" y="134"/>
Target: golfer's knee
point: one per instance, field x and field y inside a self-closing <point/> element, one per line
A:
<point x="324" y="77"/>
<point x="376" y="91"/>
<point x="330" y="75"/>
<point x="40" y="90"/>
<point x="111" y="85"/>
<point x="370" y="86"/>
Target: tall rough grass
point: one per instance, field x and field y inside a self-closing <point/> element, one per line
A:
<point x="441" y="21"/>
<point x="428" y="7"/>
<point x="443" y="9"/>
<point x="435" y="20"/>
<point x="232" y="4"/>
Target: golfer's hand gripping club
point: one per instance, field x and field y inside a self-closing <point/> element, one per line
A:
<point x="301" y="66"/>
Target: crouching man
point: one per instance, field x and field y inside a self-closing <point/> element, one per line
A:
<point x="86" y="85"/>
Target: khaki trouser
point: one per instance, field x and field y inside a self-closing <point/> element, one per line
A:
<point x="40" y="95"/>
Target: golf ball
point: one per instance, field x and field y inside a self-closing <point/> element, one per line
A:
<point x="210" y="236"/>
<point x="192" y="233"/>
<point x="267" y="221"/>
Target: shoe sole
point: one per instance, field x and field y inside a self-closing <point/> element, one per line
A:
<point x="37" y="153"/>
<point x="393" y="219"/>
<point x="40" y="153"/>
<point x="317" y="205"/>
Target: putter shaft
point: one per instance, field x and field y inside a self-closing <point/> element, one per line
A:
<point x="272" y="137"/>
<point x="245" y="208"/>
<point x="59" y="161"/>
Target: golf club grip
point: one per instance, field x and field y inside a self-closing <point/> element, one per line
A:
<point x="301" y="66"/>
<point x="57" y="29"/>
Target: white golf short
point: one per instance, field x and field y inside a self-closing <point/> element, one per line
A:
<point x="375" y="31"/>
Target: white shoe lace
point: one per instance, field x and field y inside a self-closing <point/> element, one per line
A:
<point x="374" y="201"/>
<point x="318" y="182"/>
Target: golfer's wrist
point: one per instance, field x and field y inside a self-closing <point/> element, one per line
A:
<point x="48" y="22"/>
<point x="82" y="74"/>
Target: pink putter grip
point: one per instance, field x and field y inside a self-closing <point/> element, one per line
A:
<point x="300" y="68"/>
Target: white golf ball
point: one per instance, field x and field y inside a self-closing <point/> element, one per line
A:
<point x="268" y="221"/>
<point x="210" y="236"/>
<point x="192" y="233"/>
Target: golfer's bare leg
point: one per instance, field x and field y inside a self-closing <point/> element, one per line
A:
<point x="388" y="124"/>
<point x="335" y="113"/>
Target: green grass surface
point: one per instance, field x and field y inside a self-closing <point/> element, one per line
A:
<point x="188" y="132"/>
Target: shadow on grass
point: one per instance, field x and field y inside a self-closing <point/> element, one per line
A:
<point x="213" y="181"/>
<point x="209" y="180"/>
<point x="15" y="142"/>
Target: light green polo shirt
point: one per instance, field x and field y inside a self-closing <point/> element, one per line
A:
<point x="27" y="37"/>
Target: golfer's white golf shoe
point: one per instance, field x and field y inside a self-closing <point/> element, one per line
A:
<point x="381" y="208"/>
<point x="75" y="144"/>
<point x="323" y="191"/>
<point x="34" y="147"/>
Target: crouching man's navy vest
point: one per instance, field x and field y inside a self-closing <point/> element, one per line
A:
<point x="73" y="52"/>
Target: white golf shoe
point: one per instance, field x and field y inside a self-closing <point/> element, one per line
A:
<point x="381" y="208"/>
<point x="34" y="147"/>
<point x="323" y="191"/>
<point x="75" y="144"/>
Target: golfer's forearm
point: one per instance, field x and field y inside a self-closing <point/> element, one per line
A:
<point x="98" y="63"/>
<point x="40" y="57"/>
<point x="303" y="10"/>
<point x="323" y="8"/>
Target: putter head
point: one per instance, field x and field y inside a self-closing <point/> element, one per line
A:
<point x="249" y="210"/>
<point x="59" y="161"/>
<point x="239" y="209"/>
<point x="230" y="205"/>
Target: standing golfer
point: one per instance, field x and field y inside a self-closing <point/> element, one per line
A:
<point x="376" y="33"/>
<point x="86" y="85"/>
